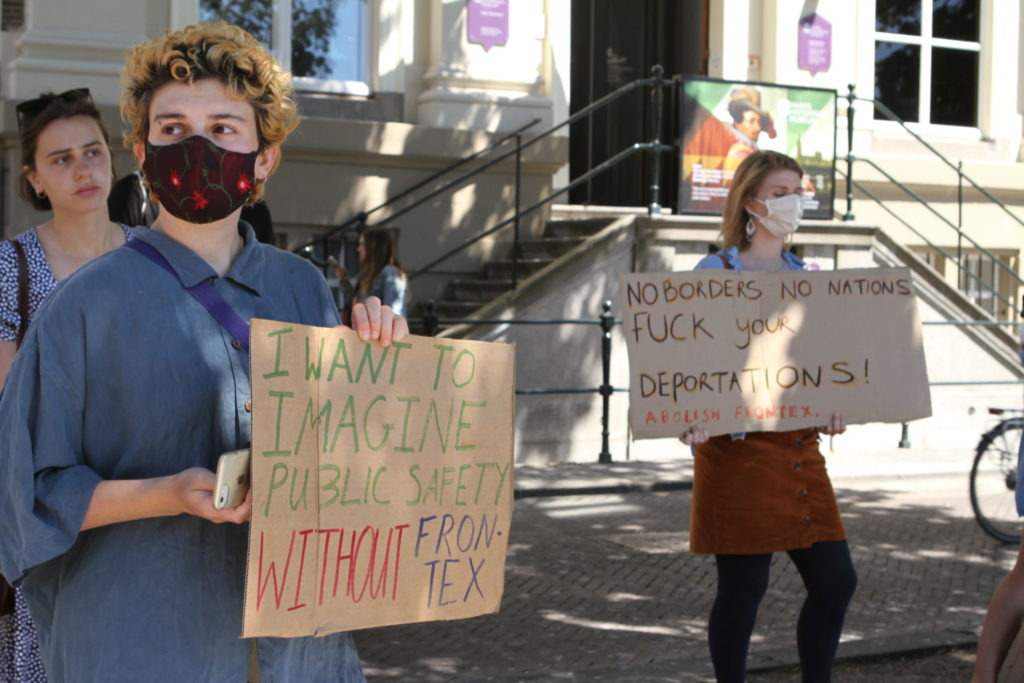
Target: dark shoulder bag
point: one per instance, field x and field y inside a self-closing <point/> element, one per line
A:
<point x="6" y="591"/>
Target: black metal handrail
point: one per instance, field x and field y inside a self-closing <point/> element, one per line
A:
<point x="892" y="116"/>
<point x="359" y="220"/>
<point x="656" y="82"/>
<point x="958" y="260"/>
<point x="607" y="323"/>
<point x="600" y="168"/>
<point x="978" y="279"/>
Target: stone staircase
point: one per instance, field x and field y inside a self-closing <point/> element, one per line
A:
<point x="465" y="295"/>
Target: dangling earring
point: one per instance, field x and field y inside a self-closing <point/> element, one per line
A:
<point x="750" y="230"/>
<point x="40" y="193"/>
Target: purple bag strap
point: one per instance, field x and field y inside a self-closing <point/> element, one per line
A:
<point x="204" y="293"/>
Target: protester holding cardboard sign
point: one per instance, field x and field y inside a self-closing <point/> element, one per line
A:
<point x="67" y="169"/>
<point x="762" y="492"/>
<point x="136" y="378"/>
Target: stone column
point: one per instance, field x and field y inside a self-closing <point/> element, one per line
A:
<point x="76" y="44"/>
<point x="466" y="86"/>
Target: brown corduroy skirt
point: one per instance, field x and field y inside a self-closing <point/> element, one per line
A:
<point x="764" y="493"/>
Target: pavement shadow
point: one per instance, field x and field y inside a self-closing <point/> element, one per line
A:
<point x="600" y="585"/>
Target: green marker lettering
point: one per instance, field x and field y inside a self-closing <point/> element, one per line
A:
<point x="278" y="372"/>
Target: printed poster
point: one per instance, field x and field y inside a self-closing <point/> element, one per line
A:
<point x="723" y="122"/>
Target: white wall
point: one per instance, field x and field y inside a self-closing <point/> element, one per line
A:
<point x="455" y="96"/>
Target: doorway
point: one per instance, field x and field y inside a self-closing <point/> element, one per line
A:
<point x="613" y="44"/>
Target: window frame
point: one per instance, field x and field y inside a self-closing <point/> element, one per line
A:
<point x="927" y="42"/>
<point x="281" y="44"/>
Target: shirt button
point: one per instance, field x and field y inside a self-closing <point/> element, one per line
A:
<point x="803" y="492"/>
<point x="236" y="344"/>
<point x="248" y="409"/>
<point x="807" y="520"/>
<point x="797" y="466"/>
<point x="798" y="442"/>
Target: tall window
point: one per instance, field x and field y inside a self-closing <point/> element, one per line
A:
<point x="980" y="276"/>
<point x="926" y="60"/>
<point x="13" y="15"/>
<point x="322" y="42"/>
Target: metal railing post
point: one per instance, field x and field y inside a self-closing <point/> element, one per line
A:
<point x="515" y="237"/>
<point x="960" y="221"/>
<point x="992" y="286"/>
<point x="607" y="323"/>
<point x="849" y="154"/>
<point x="655" y="164"/>
<point x="430" y="324"/>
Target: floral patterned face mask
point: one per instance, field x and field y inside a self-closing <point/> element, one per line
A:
<point x="197" y="181"/>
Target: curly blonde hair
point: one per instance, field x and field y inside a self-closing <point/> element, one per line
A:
<point x="217" y="50"/>
<point x="745" y="183"/>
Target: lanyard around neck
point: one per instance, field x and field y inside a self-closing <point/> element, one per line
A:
<point x="204" y="293"/>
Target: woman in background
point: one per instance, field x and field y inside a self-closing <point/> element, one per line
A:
<point x="380" y="275"/>
<point x="66" y="168"/>
<point x="758" y="493"/>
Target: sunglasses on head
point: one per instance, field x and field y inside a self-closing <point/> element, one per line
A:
<point x="30" y="109"/>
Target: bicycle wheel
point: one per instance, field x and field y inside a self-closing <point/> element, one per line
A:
<point x="994" y="481"/>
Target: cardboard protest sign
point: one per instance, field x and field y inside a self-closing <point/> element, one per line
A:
<point x="736" y="351"/>
<point x="382" y="480"/>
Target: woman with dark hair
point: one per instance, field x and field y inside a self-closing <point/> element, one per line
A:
<point x="380" y="275"/>
<point x="758" y="493"/>
<point x="65" y="169"/>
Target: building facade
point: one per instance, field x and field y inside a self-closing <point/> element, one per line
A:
<point x="394" y="91"/>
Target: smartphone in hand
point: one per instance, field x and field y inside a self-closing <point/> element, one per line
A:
<point x="232" y="479"/>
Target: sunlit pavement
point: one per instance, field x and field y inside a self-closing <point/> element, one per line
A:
<point x="599" y="587"/>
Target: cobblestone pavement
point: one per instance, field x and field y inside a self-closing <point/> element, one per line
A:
<point x="600" y="588"/>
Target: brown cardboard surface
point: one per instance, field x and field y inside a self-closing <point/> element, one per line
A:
<point x="382" y="480"/>
<point x="737" y="351"/>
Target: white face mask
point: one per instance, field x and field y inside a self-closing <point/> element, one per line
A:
<point x="784" y="214"/>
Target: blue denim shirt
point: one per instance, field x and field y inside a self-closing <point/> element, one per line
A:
<point x="732" y="254"/>
<point x="390" y="286"/>
<point x="123" y="375"/>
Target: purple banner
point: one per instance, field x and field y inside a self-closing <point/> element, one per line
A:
<point x="814" y="45"/>
<point x="487" y="22"/>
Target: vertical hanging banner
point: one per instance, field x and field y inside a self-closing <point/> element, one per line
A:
<point x="814" y="44"/>
<point x="736" y="351"/>
<point x="382" y="480"/>
<point x="487" y="22"/>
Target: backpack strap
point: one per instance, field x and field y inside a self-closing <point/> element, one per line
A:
<point x="725" y="261"/>
<point x="23" y="292"/>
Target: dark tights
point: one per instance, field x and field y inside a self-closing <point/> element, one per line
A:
<point x="830" y="580"/>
